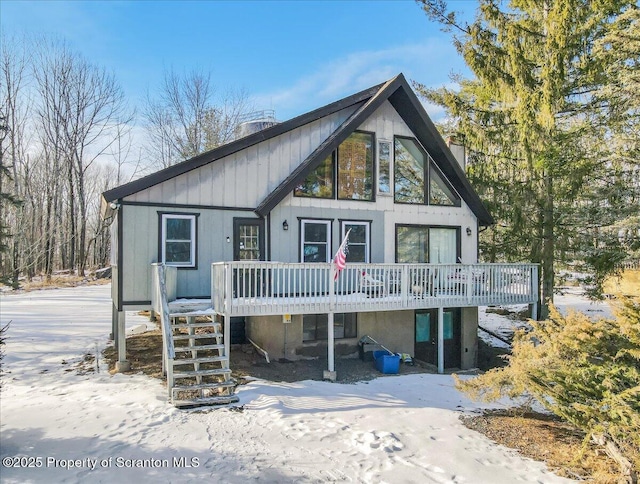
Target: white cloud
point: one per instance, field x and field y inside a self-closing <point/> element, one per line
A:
<point x="429" y="62"/>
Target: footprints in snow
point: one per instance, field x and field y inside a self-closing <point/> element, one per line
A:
<point x="370" y="441"/>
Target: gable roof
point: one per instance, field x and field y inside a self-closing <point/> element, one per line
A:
<point x="397" y="91"/>
<point x="235" y="146"/>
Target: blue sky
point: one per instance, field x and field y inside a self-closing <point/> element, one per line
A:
<point x="291" y="56"/>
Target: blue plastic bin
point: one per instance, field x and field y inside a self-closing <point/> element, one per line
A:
<point x="386" y="363"/>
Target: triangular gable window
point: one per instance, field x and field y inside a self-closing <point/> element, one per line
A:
<point x="417" y="179"/>
<point x="353" y="178"/>
<point x="440" y="192"/>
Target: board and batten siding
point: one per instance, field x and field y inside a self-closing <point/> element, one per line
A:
<point x="386" y="123"/>
<point x="140" y="248"/>
<point x="245" y="178"/>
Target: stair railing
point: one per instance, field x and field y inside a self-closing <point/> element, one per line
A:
<point x="161" y="307"/>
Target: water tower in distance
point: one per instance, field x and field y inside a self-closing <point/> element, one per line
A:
<point x="250" y="123"/>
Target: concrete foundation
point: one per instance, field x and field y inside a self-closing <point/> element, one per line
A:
<point x="393" y="329"/>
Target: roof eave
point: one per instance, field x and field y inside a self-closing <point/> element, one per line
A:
<point x="235" y="146"/>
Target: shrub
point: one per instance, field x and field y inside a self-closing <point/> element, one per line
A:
<point x="587" y="372"/>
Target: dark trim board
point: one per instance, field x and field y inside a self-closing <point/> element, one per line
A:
<point x="235" y="146"/>
<point x="120" y="255"/>
<point x="329" y="145"/>
<point x="187" y="206"/>
<point x="397" y="91"/>
<point x="136" y="303"/>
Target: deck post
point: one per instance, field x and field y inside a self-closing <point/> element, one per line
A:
<point x="122" y="364"/>
<point x="227" y="336"/>
<point x="440" y="340"/>
<point x="330" y="374"/>
<point x="331" y="356"/>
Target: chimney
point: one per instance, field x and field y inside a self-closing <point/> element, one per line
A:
<point x="458" y="151"/>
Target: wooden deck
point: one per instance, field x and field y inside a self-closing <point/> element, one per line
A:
<point x="270" y="288"/>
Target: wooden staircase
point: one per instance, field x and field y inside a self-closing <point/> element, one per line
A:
<point x="199" y="372"/>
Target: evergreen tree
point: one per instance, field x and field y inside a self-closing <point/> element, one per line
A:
<point x="532" y="118"/>
<point x="587" y="372"/>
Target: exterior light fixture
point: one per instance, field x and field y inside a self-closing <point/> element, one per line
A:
<point x="228" y="239"/>
<point x="469" y="231"/>
<point x="285" y="225"/>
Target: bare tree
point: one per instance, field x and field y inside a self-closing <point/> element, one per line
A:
<point x="80" y="109"/>
<point x="13" y="118"/>
<point x="184" y="121"/>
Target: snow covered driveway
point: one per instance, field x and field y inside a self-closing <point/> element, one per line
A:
<point x="59" y="426"/>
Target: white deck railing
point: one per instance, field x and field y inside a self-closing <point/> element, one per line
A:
<point x="163" y="278"/>
<point x="270" y="288"/>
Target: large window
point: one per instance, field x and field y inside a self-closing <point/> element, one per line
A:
<point x="178" y="239"/>
<point x="359" y="240"/>
<point x="318" y="184"/>
<point x="384" y="167"/>
<point x="440" y="192"/>
<point x="355" y="167"/>
<point x="412" y="244"/>
<point x="349" y="169"/>
<point x="423" y="244"/>
<point x="417" y="180"/>
<point x="315" y="243"/>
<point x="314" y="326"/>
<point x="409" y="171"/>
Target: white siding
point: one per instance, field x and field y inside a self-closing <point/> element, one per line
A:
<point x="386" y="123"/>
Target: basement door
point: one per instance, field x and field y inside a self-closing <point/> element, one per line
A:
<point x="426" y="337"/>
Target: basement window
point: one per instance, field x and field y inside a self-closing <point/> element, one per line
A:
<point x="314" y="326"/>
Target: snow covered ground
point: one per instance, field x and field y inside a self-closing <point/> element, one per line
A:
<point x="59" y="426"/>
<point x="569" y="299"/>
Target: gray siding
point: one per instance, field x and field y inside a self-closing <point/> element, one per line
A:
<point x="140" y="249"/>
<point x="245" y="178"/>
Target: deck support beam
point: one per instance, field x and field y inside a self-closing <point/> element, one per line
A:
<point x="331" y="341"/>
<point x="122" y="364"/>
<point x="227" y="336"/>
<point x="440" y="340"/>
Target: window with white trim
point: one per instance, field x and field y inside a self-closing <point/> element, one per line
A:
<point x="384" y="167"/>
<point x="359" y="248"/>
<point x="178" y="236"/>
<point x="315" y="240"/>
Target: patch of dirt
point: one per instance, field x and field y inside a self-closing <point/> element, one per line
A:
<point x="522" y="315"/>
<point x="144" y="352"/>
<point x="547" y="439"/>
<point x="56" y="282"/>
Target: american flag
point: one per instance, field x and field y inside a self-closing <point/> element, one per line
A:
<point x="341" y="256"/>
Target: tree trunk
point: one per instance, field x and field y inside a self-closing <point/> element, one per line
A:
<point x="547" y="246"/>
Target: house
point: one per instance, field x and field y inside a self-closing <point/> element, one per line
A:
<point x="252" y="226"/>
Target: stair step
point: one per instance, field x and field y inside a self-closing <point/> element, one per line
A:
<point x="207" y="359"/>
<point x="198" y="348"/>
<point x="201" y="386"/>
<point x="195" y="313"/>
<point x="194" y="373"/>
<point x="178" y="337"/>
<point x="197" y="402"/>
<point x="208" y="324"/>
